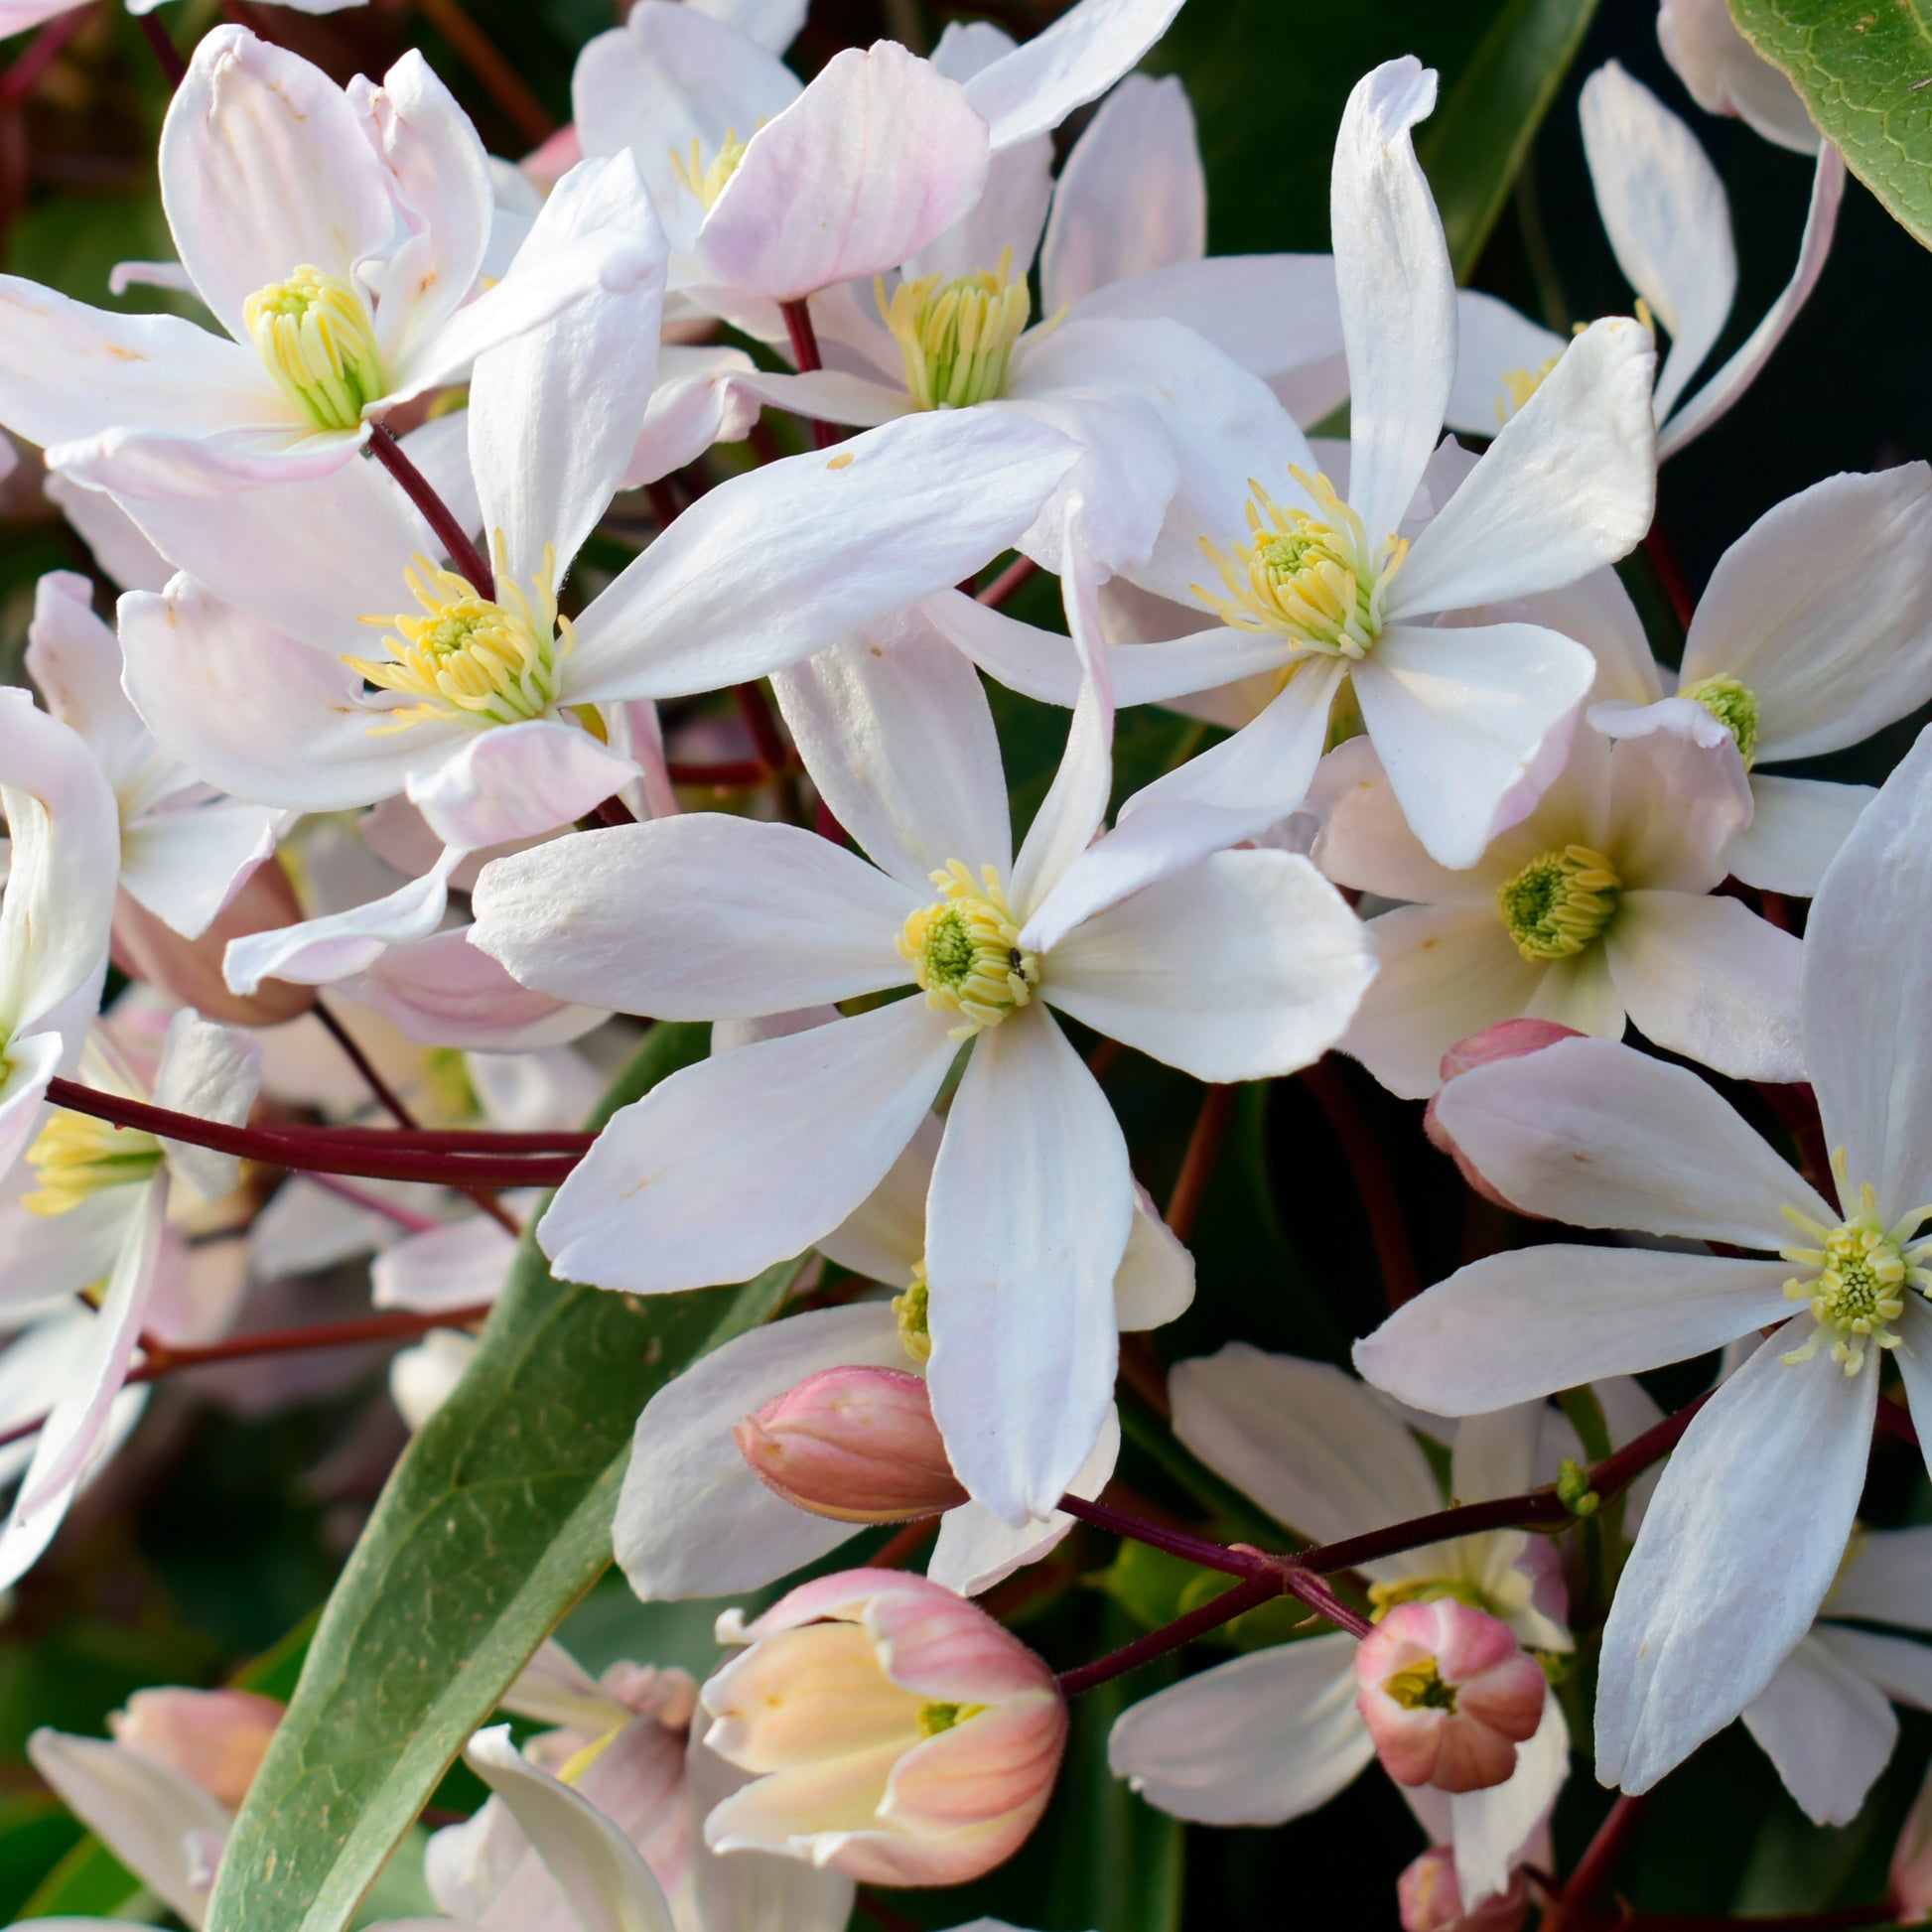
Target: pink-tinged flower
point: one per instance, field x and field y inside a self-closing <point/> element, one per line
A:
<point x="857" y="1443"/>
<point x="1910" y="1895"/>
<point x="1431" y="1901"/>
<point x="1507" y="1040"/>
<point x="216" y="1739"/>
<point x="902" y="1735"/>
<point x="1447" y="1694"/>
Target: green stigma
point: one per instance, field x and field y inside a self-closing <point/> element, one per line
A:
<point x="1559" y="905"/>
<point x="1732" y="706"/>
<point x="937" y="1718"/>
<point x="1420" y="1688"/>
<point x="910" y="1309"/>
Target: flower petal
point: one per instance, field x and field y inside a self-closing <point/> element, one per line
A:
<point x="1736" y="1552"/>
<point x="1491" y="1829"/>
<point x="1493" y="342"/>
<point x="185" y="865"/>
<point x="449" y="1267"/>
<point x="516" y="781"/>
<point x="659" y="1203"/>
<point x="1827" y="1727"/>
<point x="1033" y="89"/>
<point x="442" y="991"/>
<point x="213" y="1073"/>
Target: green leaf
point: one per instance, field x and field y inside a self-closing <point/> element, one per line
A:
<point x="497" y="1519"/>
<point x="1861" y="72"/>
<point x="88" y="1883"/>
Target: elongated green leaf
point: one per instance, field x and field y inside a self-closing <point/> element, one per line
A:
<point x="1863" y="73"/>
<point x="497" y="1519"/>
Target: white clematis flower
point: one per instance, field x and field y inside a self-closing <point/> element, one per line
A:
<point x="1275" y="1734"/>
<point x="1240" y="965"/>
<point x="1743" y="1539"/>
<point x="1726" y="74"/>
<point x="16" y="16"/>
<point x="1668" y="224"/>
<point x="336" y="235"/>
<point x="1598" y="908"/>
<point x="1814" y="631"/>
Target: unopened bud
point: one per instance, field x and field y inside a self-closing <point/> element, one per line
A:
<point x="213" y="1739"/>
<point x="1507" y="1040"/>
<point x="1447" y="1694"/>
<point x="1431" y="1901"/>
<point x="857" y="1445"/>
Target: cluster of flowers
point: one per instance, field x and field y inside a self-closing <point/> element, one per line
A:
<point x="1460" y="825"/>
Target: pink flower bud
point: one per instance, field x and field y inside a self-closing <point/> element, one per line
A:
<point x="857" y="1445"/>
<point x="900" y="1734"/>
<point x="1431" y="1901"/>
<point x="1911" y="1862"/>
<point x="213" y="1739"/>
<point x="1447" y="1694"/>
<point x="1507" y="1040"/>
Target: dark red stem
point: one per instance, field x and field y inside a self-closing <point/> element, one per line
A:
<point x="805" y="352"/>
<point x="167" y="54"/>
<point x="1249" y="1594"/>
<point x="1176" y="1543"/>
<point x="41" y="51"/>
<point x="1198" y="1164"/>
<point x="386" y="1096"/>
<point x="1008" y="581"/>
<point x="727" y="775"/>
<point x="1572" y="1905"/>
<point x="1368" y="1162"/>
<point x="470" y="564"/>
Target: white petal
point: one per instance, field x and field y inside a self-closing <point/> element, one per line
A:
<point x="896" y="734"/>
<point x="1709" y="979"/>
<point x="1899" y="1666"/>
<point x="1736" y="1552"/>
<point x="1033" y="89"/>
<point x="1666" y="215"/>
<point x="659" y="1203"/>
<point x="1888" y="1580"/>
<point x="773" y="566"/>
<point x="1459" y="718"/>
<point x="442" y="991"/>
<point x="1567" y="486"/>
<point x="1243" y="967"/>
<point x="1030" y="1206"/>
<point x="692" y="1519"/>
<point x="1255" y="1741"/>
<point x="76" y="665"/>
<point x="1827" y="1727"/>
<point x="1598" y="612"/>
<point x="1398" y="298"/>
<point x="1493" y="342"/>
<point x="1866" y="986"/>
<point x="769" y="918"/>
<point x="213" y="1073"/>
<point x="516" y="781"/>
<point x="1725" y="74"/>
<point x="883" y="1238"/>
<point x="1817" y="612"/>
<point x="1678" y="795"/>
<point x="185" y="865"/>
<point x="1010" y="213"/>
<point x="451" y="1267"/>
<point x="1156" y="1282"/>
<point x="1365" y="842"/>
<point x="1491" y="1830"/>
<point x="1523" y="1325"/>
<point x="1596" y="1134"/>
<point x="121" y="550"/>
<point x="697" y="402"/>
<point x="1311" y="1445"/>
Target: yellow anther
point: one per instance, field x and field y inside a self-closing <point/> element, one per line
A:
<point x="964" y="951"/>
<point x="317" y="338"/>
<point x="75" y="1155"/>
<point x="1521" y="385"/>
<point x="708" y="183"/>
<point x="1857" y="1275"/>
<point x="1734" y="706"/>
<point x="1560" y="903"/>
<point x="471" y="661"/>
<point x="1383" y="1597"/>
<point x="956" y="337"/>
<point x="1420" y="1687"/>
<point x="910" y="1309"/>
<point x="1310" y="577"/>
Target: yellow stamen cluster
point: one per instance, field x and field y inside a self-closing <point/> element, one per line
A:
<point x="1420" y="1687"/>
<point x="1383" y="1597"/>
<point x="1521" y="385"/>
<point x="1306" y="577"/>
<point x="936" y="1718"/>
<point x="1559" y="905"/>
<point x="1734" y="706"/>
<point x="317" y="338"/>
<point x="471" y="661"/>
<point x="964" y="951"/>
<point x="75" y="1155"/>
<point x="910" y="1309"/>
<point x="956" y="337"/>
<point x="1862" y="1271"/>
<point x="708" y="183"/>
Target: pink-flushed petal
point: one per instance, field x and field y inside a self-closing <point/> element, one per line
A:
<point x="899" y="739"/>
<point x="1131" y="197"/>
<point x="877" y="157"/>
<point x="771" y="566"/>
<point x="1243" y="966"/>
<point x="1737" y="1548"/>
<point x="1035" y="88"/>
<point x="1596" y="1134"/>
<point x="516" y="781"/>
<point x="1598" y="612"/>
<point x="451" y="1267"/>
<point x="697" y="402"/>
<point x="1865" y="982"/>
<point x="1365" y="842"/>
<point x="1567" y="486"/>
<point x="659" y="1203"/>
<point x="1460" y="716"/>
<point x="1000" y="1762"/>
<point x="1827" y="1727"/>
<point x="1021" y="1307"/>
<point x="442" y="991"/>
<point x="212" y="1072"/>
<point x="1678" y="795"/>
<point x="770" y="917"/>
<point x="829" y="395"/>
<point x="1709" y="979"/>
<point x="1725" y="74"/>
<point x="185" y="865"/>
<point x="1737" y="375"/>
<point x="264" y="170"/>
<point x="1521" y="1325"/>
<point x="1493" y="342"/>
<point x="121" y="551"/>
<point x="76" y="665"/>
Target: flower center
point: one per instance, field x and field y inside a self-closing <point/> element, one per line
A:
<point x="936" y="1718"/>
<point x="910" y="1309"/>
<point x="317" y="338"/>
<point x="1861" y="1271"/>
<point x="75" y="1155"/>
<point x="1420" y="1687"/>
<point x="1312" y="577"/>
<point x="708" y="183"/>
<point x="1732" y="706"/>
<point x="964" y="951"/>
<point x="469" y="660"/>
<point x="1559" y="902"/>
<point x="956" y="337"/>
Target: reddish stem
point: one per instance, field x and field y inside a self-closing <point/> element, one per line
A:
<point x="504" y="85"/>
<point x="1362" y="1150"/>
<point x="664" y="503"/>
<point x="470" y="564"/>
<point x="1249" y="1594"/>
<point x="825" y="822"/>
<point x="900" y="1549"/>
<point x="403" y="1218"/>
<point x="1008" y="581"/>
<point x="727" y="775"/>
<point x="1572" y="1908"/>
<point x="167" y="54"/>
<point x="805" y="352"/>
<point x="1198" y="1164"/>
<point x="1176" y="1543"/>
<point x="387" y="1097"/>
<point x="1894" y="1420"/>
<point x="755" y="709"/>
<point x="439" y="1139"/>
<point x="41" y="51"/>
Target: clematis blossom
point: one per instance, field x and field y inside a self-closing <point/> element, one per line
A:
<point x="1750" y="1519"/>
<point x="1228" y="968"/>
<point x="1667" y="219"/>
